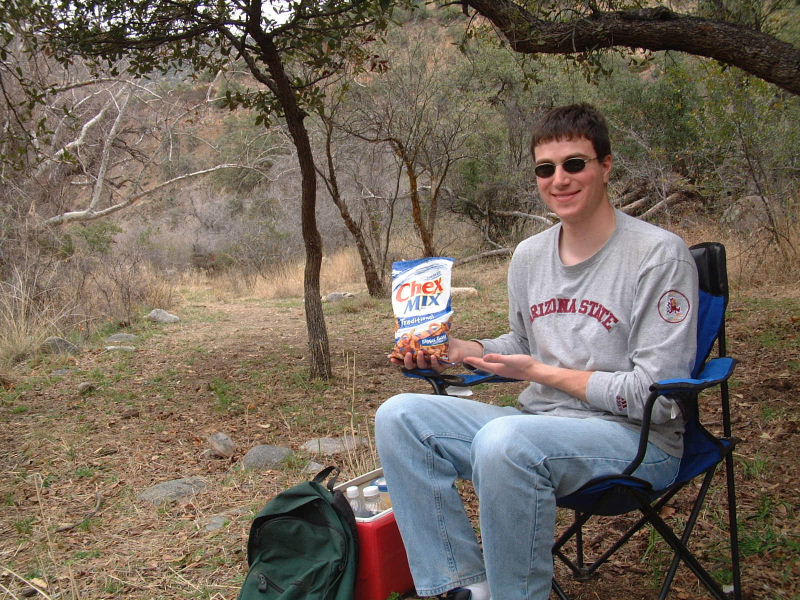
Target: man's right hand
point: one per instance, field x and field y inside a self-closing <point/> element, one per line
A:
<point x="458" y="350"/>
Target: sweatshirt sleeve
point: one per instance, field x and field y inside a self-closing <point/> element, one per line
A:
<point x="516" y="340"/>
<point x="663" y="341"/>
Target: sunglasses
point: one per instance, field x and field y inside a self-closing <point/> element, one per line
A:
<point x="571" y="165"/>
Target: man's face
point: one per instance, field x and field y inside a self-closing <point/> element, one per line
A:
<point x="574" y="197"/>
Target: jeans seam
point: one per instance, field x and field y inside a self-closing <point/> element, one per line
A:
<point x="437" y="502"/>
<point x="535" y="526"/>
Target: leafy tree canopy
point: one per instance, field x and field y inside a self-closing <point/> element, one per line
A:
<point x="315" y="38"/>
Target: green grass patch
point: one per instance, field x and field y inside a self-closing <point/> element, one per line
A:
<point x="85" y="472"/>
<point x="24" y="526"/>
<point x="508" y="400"/>
<point x="755" y="467"/>
<point x="761" y="533"/>
<point x="772" y="413"/>
<point x="227" y="398"/>
<point x="288" y="303"/>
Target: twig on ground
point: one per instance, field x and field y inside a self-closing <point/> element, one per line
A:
<point x="25" y="581"/>
<point x="98" y="502"/>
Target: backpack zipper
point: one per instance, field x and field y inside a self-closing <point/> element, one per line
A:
<point x="264" y="583"/>
<point x="342" y="566"/>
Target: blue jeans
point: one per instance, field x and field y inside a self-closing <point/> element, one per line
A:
<point x="519" y="463"/>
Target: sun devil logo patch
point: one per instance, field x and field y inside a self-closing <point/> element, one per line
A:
<point x="673" y="306"/>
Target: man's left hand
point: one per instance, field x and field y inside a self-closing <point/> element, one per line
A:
<point x="513" y="366"/>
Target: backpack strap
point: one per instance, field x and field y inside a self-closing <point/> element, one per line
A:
<point x="342" y="506"/>
<point x="324" y="474"/>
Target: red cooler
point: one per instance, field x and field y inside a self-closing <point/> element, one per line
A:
<point x="382" y="562"/>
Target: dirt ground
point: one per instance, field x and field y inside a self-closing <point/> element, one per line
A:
<point x="74" y="458"/>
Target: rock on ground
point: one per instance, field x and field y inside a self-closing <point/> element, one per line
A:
<point x="328" y="446"/>
<point x="173" y="491"/>
<point x="221" y="444"/>
<point x="265" y="456"/>
<point x="312" y="468"/>
<point x="85" y="387"/>
<point x="158" y="315"/>
<point x="120" y="338"/>
<point x="216" y="522"/>
<point x="336" y="296"/>
<point x="58" y="345"/>
<point x="463" y="291"/>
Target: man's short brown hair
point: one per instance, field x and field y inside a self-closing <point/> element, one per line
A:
<point x="572" y="122"/>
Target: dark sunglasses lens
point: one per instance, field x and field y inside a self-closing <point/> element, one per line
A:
<point x="574" y="165"/>
<point x="545" y="170"/>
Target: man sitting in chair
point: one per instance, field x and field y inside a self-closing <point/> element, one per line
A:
<point x="600" y="306"/>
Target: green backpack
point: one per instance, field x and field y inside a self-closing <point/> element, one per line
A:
<point x="303" y="545"/>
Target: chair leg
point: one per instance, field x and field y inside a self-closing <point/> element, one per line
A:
<point x="687" y="532"/>
<point x="562" y="595"/>
<point x="577" y="567"/>
<point x="733" y="528"/>
<point x="687" y="557"/>
<point x="579" y="546"/>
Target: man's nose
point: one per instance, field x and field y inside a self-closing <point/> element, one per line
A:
<point x="561" y="177"/>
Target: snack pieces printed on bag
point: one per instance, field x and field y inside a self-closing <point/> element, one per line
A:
<point x="427" y="339"/>
<point x="422" y="306"/>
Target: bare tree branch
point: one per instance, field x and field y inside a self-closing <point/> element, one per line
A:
<point x="97" y="193"/>
<point x="89" y="214"/>
<point x="656" y="28"/>
<point x="522" y="215"/>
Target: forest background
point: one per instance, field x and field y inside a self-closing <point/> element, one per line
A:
<point x="176" y="190"/>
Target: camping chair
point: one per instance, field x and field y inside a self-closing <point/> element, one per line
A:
<point x="703" y="452"/>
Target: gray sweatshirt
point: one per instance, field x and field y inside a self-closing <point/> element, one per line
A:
<point x="628" y="313"/>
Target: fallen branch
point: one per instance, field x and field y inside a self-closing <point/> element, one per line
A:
<point x="490" y="253"/>
<point x="632" y="207"/>
<point x="668" y="201"/>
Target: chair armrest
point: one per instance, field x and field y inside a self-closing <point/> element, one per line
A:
<point x="440" y="381"/>
<point x="715" y="372"/>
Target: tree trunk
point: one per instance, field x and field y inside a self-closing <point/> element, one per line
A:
<point x="416" y="206"/>
<point x="319" y="352"/>
<point x="375" y="284"/>
<point x="656" y="28"/>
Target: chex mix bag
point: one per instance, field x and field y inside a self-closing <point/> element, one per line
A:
<point x="422" y="306"/>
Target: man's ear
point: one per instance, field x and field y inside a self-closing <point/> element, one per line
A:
<point x="607" y="164"/>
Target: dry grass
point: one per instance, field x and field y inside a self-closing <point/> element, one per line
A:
<point x="755" y="262"/>
<point x="117" y="289"/>
<point x="28" y="315"/>
<point x="341" y="272"/>
<point x="71" y="299"/>
<point x="362" y="458"/>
